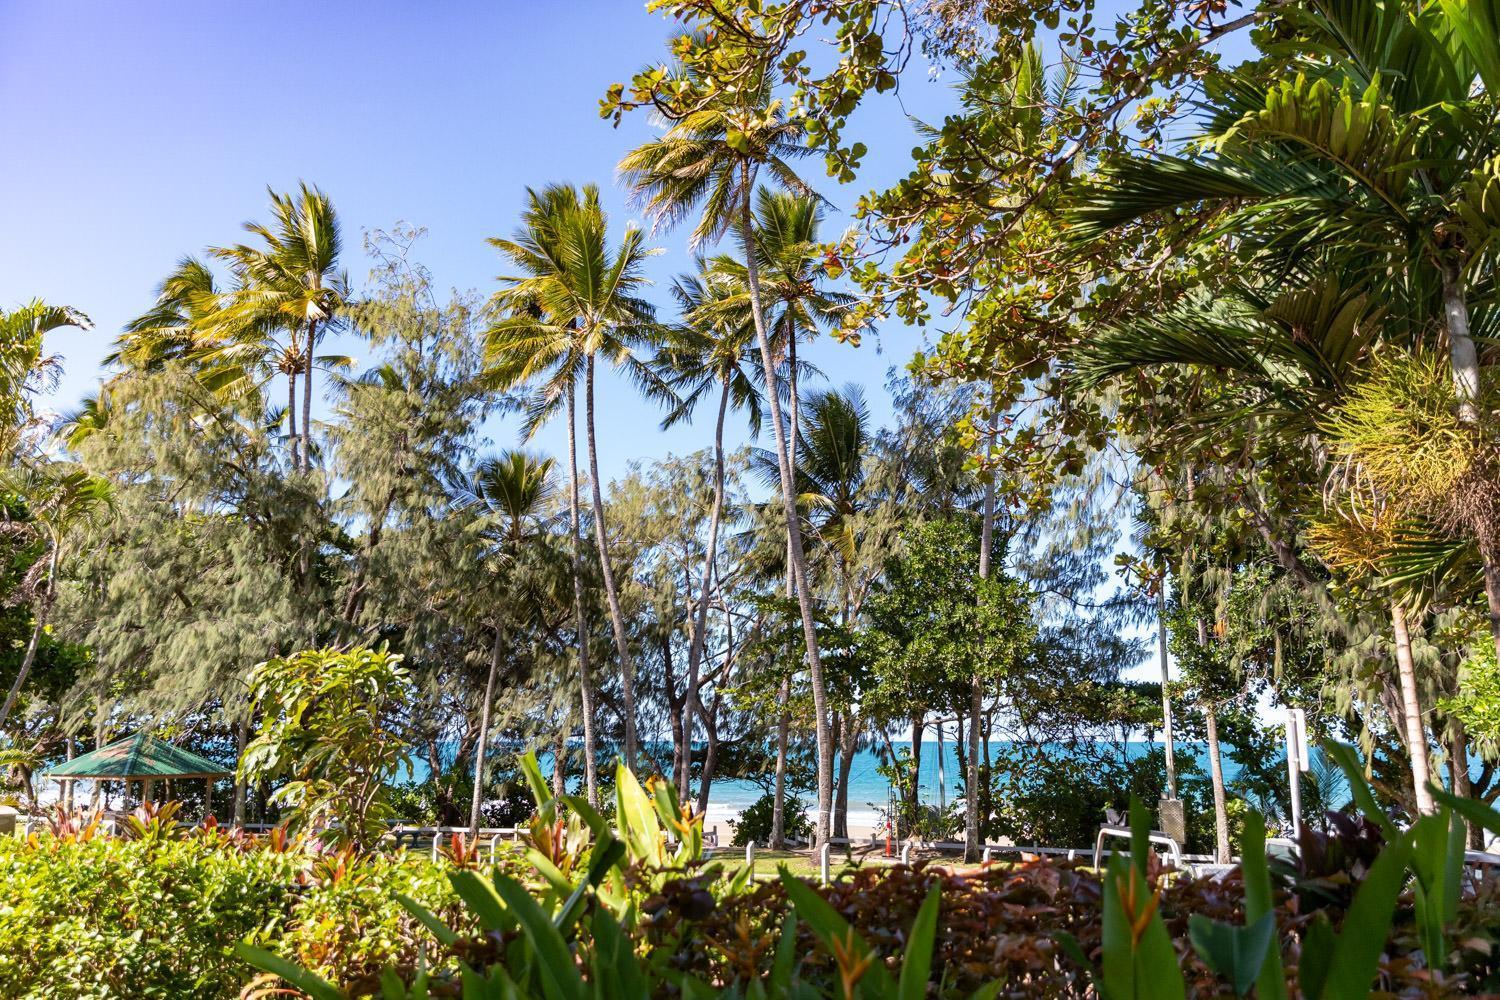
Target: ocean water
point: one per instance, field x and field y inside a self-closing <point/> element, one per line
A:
<point x="870" y="792"/>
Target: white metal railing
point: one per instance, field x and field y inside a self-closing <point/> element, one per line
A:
<point x="1174" y="849"/>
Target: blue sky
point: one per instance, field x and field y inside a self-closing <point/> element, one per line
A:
<point x="142" y="131"/>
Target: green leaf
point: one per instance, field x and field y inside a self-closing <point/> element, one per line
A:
<point x="482" y="899"/>
<point x="617" y="970"/>
<point x="1260" y="903"/>
<point x="829" y="926"/>
<point x="554" y="961"/>
<point x="1367" y="924"/>
<point x="916" y="967"/>
<point x="426" y="918"/>
<point x="1348" y="761"/>
<point x="313" y="985"/>
<point x="1237" y="953"/>
<point x="540" y="790"/>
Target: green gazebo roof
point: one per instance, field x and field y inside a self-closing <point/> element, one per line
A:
<point x="139" y="756"/>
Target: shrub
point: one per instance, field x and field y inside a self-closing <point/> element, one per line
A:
<point x="102" y="919"/>
<point x="754" y="823"/>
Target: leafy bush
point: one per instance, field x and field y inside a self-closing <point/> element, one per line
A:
<point x="101" y="918"/>
<point x="754" y="823"/>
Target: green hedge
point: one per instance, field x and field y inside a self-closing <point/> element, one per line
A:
<point x="106" y="919"/>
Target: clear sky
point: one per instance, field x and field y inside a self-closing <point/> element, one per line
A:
<point x="138" y="132"/>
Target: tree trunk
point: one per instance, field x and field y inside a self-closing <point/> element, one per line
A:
<point x="793" y="529"/>
<point x="848" y="745"/>
<point x="1216" y="773"/>
<point x="1490" y="556"/>
<point x="1463" y="359"/>
<point x="585" y="680"/>
<point x="307" y="387"/>
<point x="560" y="756"/>
<point x="705" y="590"/>
<point x="482" y="746"/>
<point x="976" y="684"/>
<point x="241" y="740"/>
<point x="914" y="793"/>
<point x="291" y="421"/>
<point x="1166" y="698"/>
<point x="43" y="611"/>
<point x="611" y="594"/>
<point x="778" y="798"/>
<point x="1458" y="768"/>
<point x="1411" y="708"/>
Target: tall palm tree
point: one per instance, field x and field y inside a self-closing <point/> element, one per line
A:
<point x="24" y="365"/>
<point x="292" y="278"/>
<point x="514" y="492"/>
<point x="709" y="352"/>
<point x="710" y="159"/>
<point x="61" y="501"/>
<point x="575" y="298"/>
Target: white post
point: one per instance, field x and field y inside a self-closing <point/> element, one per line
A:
<point x="1296" y="763"/>
<point x="437" y="837"/>
<point x="824" y="867"/>
<point x="906" y="853"/>
<point x="750" y="857"/>
<point x="986" y="859"/>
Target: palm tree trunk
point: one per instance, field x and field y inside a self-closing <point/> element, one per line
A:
<point x="793" y="530"/>
<point x="307" y="386"/>
<point x="1166" y="698"/>
<point x="291" y="420"/>
<point x="1216" y="773"/>
<point x="778" y="798"/>
<point x="784" y="722"/>
<point x="1463" y="787"/>
<point x="1411" y="708"/>
<point x="1462" y="357"/>
<point x="484" y="736"/>
<point x="710" y="554"/>
<point x="585" y="679"/>
<point x="976" y="685"/>
<point x="44" y="608"/>
<point x="601" y="536"/>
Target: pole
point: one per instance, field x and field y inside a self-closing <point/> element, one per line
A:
<point x="1166" y="699"/>
<point x="1296" y="763"/>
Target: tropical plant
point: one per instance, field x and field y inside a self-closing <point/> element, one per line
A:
<point x="61" y="501"/>
<point x="24" y="365"/>
<point x="326" y="731"/>
<point x="290" y="282"/>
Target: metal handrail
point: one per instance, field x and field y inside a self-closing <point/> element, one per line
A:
<point x="1174" y="849"/>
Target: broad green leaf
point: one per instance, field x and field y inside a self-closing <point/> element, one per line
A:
<point x="482" y="900"/>
<point x="1260" y="903"/>
<point x="313" y="985"/>
<point x="426" y="918"/>
<point x="554" y="961"/>
<point x="1235" y="952"/>
<point x="829" y="926"/>
<point x="916" y="967"/>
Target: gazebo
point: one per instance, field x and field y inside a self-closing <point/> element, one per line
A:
<point x="142" y="758"/>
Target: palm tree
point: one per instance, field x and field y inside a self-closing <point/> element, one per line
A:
<point x="291" y="281"/>
<point x="24" y="368"/>
<point x="515" y="492"/>
<point x="575" y="298"/>
<point x="1378" y="156"/>
<point x="711" y="158"/>
<point x="61" y="501"/>
<point x="708" y="352"/>
<point x="1290" y="358"/>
